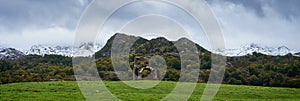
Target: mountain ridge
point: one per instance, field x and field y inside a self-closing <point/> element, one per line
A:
<point x="158" y="44"/>
<point x="10" y="54"/>
<point x="143" y="45"/>
<point x="251" y="48"/>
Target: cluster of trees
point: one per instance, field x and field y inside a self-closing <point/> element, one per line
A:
<point x="264" y="70"/>
<point x="36" y="68"/>
<point x="256" y="69"/>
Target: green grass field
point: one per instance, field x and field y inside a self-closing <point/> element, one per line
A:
<point x="62" y="91"/>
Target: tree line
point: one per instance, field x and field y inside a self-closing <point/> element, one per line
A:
<point x="256" y="69"/>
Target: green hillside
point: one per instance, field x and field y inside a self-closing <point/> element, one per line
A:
<point x="62" y="91"/>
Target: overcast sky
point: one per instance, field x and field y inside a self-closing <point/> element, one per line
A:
<point x="24" y="23"/>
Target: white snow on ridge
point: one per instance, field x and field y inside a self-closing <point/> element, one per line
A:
<point x="249" y="49"/>
<point x="88" y="49"/>
<point x="43" y="50"/>
<point x="85" y="49"/>
<point x="10" y="53"/>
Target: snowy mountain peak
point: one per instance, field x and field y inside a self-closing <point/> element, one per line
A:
<point x="297" y="54"/>
<point x="47" y="50"/>
<point x="80" y="50"/>
<point x="10" y="54"/>
<point x="283" y="50"/>
<point x="249" y="49"/>
<point x="89" y="46"/>
<point x="86" y="49"/>
<point x="253" y="46"/>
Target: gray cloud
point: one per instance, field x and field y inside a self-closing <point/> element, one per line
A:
<point x="17" y="15"/>
<point x="144" y="25"/>
<point x="28" y="22"/>
<point x="287" y="9"/>
<point x="267" y="22"/>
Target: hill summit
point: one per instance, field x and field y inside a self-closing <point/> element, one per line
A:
<point x="139" y="45"/>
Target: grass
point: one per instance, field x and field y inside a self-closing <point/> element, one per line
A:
<point x="69" y="91"/>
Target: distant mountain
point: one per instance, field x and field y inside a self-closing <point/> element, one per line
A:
<point x="86" y="49"/>
<point x="297" y="54"/>
<point x="251" y="48"/>
<point x="80" y="50"/>
<point x="47" y="50"/>
<point x="10" y="54"/>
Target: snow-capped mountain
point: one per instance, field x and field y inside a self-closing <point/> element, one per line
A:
<point x="297" y="54"/>
<point x="10" y="54"/>
<point x="249" y="49"/>
<point x="83" y="49"/>
<point x="46" y="50"/>
<point x="86" y="49"/>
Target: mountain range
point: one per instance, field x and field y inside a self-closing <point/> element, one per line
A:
<point x="63" y="50"/>
<point x="251" y="48"/>
<point x="10" y="54"/>
<point x="85" y="49"/>
<point x="82" y="50"/>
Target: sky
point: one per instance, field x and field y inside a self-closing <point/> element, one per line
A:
<point x="273" y="23"/>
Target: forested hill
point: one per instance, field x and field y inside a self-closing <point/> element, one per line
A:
<point x="257" y="69"/>
<point x="141" y="45"/>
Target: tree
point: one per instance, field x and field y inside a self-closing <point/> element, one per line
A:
<point x="172" y="75"/>
<point x="254" y="80"/>
<point x="234" y="81"/>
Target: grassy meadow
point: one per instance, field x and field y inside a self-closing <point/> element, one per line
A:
<point x="69" y="91"/>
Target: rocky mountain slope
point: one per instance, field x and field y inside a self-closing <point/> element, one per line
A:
<point x="139" y="45"/>
<point x="10" y="53"/>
